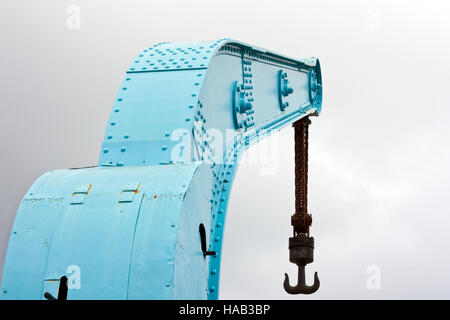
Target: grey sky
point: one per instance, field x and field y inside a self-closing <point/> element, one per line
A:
<point x="379" y="156"/>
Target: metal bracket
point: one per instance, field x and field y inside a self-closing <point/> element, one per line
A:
<point x="315" y="89"/>
<point x="128" y="192"/>
<point x="284" y="89"/>
<point x="242" y="107"/>
<point x="80" y="193"/>
<point x="243" y="98"/>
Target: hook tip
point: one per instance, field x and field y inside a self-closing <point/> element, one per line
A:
<point x="316" y="279"/>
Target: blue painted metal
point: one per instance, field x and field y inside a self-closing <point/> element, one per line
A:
<point x="130" y="225"/>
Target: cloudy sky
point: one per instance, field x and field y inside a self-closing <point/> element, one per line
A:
<point x="379" y="155"/>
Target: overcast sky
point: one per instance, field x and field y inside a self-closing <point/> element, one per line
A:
<point x="379" y="156"/>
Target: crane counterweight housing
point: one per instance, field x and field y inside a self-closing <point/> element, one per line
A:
<point x="131" y="227"/>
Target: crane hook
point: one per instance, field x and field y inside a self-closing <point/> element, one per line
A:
<point x="301" y="252"/>
<point x="301" y="245"/>
<point x="301" y="286"/>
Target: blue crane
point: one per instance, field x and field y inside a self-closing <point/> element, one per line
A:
<point x="147" y="222"/>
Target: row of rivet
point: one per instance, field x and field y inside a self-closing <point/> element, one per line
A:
<point x="165" y="56"/>
<point x="247" y="81"/>
<point x="222" y="177"/>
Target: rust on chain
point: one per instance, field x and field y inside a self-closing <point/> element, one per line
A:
<point x="301" y="220"/>
<point x="301" y="245"/>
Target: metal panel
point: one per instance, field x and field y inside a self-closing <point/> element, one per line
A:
<point x="28" y="248"/>
<point x="97" y="237"/>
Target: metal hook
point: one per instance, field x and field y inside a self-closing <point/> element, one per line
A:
<point x="62" y="291"/>
<point x="301" y="286"/>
